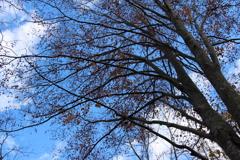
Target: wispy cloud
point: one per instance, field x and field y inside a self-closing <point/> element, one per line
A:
<point x="9" y="142"/>
<point x="55" y="154"/>
<point x="15" y="40"/>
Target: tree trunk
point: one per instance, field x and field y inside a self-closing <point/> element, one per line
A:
<point x="212" y="71"/>
<point x="221" y="131"/>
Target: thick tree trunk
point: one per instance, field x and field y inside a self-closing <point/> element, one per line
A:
<point x="228" y="95"/>
<point x="222" y="133"/>
<point x="212" y="71"/>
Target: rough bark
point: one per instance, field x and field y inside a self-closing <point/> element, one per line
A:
<point x="221" y="131"/>
<point x="212" y="70"/>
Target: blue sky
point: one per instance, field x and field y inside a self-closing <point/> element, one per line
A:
<point x="36" y="142"/>
<point x="39" y="141"/>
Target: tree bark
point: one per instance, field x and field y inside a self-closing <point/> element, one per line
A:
<point x="212" y="71"/>
<point x="221" y="131"/>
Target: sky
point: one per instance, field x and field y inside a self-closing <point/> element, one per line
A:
<point x="37" y="141"/>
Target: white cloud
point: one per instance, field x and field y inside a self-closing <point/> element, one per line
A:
<point x="6" y="102"/>
<point x="23" y="38"/>
<point x="158" y="148"/>
<point x="9" y="142"/>
<point x="15" y="39"/>
<point x="55" y="154"/>
<point x="120" y="158"/>
<point x="236" y="69"/>
<point x="45" y="156"/>
<point x="9" y="10"/>
<point x="10" y="148"/>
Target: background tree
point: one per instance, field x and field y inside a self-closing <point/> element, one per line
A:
<point x="107" y="73"/>
<point x="9" y="147"/>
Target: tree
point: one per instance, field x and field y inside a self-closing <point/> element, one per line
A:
<point x="9" y="149"/>
<point x="110" y="71"/>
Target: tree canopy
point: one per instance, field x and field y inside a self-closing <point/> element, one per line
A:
<point x="113" y="76"/>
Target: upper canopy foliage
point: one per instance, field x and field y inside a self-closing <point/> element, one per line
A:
<point x="114" y="74"/>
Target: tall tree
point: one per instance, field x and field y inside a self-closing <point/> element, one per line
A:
<point x="110" y="72"/>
